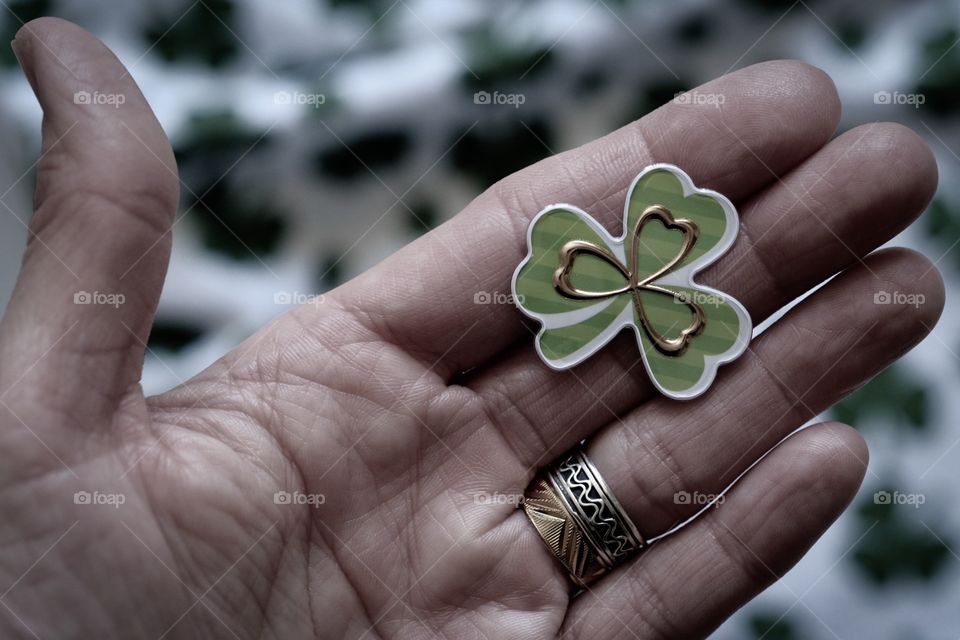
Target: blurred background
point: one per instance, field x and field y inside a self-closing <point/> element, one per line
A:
<point x="315" y="137"/>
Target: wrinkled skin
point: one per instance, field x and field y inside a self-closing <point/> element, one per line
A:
<point x="416" y="416"/>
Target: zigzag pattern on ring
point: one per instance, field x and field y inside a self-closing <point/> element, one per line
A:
<point x="590" y="500"/>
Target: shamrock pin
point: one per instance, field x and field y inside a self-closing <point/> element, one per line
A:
<point x="584" y="286"/>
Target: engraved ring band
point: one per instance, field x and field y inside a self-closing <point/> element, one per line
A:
<point x="579" y="519"/>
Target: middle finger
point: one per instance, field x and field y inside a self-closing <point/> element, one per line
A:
<point x="850" y="197"/>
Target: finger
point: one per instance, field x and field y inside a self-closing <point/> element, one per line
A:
<point x="774" y="115"/>
<point x="847" y="199"/>
<point x="690" y="582"/>
<point x="825" y="348"/>
<point x="75" y="328"/>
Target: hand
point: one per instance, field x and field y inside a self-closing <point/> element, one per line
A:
<point x="397" y="472"/>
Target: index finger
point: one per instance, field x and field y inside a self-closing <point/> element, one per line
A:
<point x="772" y="117"/>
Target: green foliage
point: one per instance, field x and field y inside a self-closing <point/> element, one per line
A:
<point x="420" y="217"/>
<point x="365" y="5"/>
<point x="770" y="626"/>
<point x="329" y="272"/>
<point x="851" y="33"/>
<point x="17" y="12"/>
<point x="942" y="223"/>
<point x="331" y="104"/>
<point x="492" y="150"/>
<point x="660" y="93"/>
<point x="172" y="336"/>
<point x="898" y="546"/>
<point x="357" y="156"/>
<point x="892" y="394"/>
<point x="496" y="64"/>
<point x="214" y="138"/>
<point x="695" y="29"/>
<point x="653" y="95"/>
<point x="202" y="34"/>
<point x="372" y="10"/>
<point x="238" y="227"/>
<point x="776" y="6"/>
<point x="940" y="77"/>
<point x="231" y="221"/>
<point x="591" y="81"/>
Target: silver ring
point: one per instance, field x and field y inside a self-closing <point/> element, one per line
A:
<point x="600" y="515"/>
<point x="579" y="518"/>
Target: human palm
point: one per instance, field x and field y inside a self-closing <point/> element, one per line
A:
<point x="352" y="470"/>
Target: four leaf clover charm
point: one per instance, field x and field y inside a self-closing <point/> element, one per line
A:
<point x="584" y="286"/>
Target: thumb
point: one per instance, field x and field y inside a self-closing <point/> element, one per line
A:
<point x="72" y="340"/>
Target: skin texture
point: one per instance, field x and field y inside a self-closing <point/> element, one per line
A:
<point x="405" y="413"/>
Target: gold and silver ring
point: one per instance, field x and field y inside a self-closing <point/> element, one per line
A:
<point x="580" y="519"/>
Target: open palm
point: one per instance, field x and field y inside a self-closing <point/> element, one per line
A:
<point x="353" y="469"/>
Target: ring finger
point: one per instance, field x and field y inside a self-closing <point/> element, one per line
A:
<point x="664" y="458"/>
<point x="685" y="586"/>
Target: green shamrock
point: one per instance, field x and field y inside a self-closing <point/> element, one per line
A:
<point x="584" y="286"/>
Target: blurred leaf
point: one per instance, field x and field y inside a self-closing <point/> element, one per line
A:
<point x="329" y="272"/>
<point x="591" y="81"/>
<point x="870" y="510"/>
<point x="663" y="92"/>
<point x="852" y="34"/>
<point x="495" y="64"/>
<point x="940" y="77"/>
<point x="771" y="626"/>
<point x="942" y="223"/>
<point x="421" y="217"/>
<point x="940" y="44"/>
<point x="654" y="95"/>
<point x="493" y="150"/>
<point x="172" y="335"/>
<point x="775" y="6"/>
<point x="214" y="143"/>
<point x="695" y="29"/>
<point x="366" y="5"/>
<point x="15" y="14"/>
<point x="200" y="32"/>
<point x="898" y="546"/>
<point x="372" y="10"/>
<point x="236" y="226"/>
<point x="359" y="155"/>
<point x="891" y="394"/>
<point x="215" y="140"/>
<point x="329" y="105"/>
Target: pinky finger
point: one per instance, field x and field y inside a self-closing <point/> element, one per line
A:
<point x="690" y="582"/>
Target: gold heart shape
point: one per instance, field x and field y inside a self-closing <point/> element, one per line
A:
<point x="690" y="231"/>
